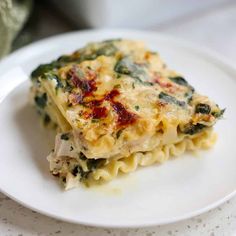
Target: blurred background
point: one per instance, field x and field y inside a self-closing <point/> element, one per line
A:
<point x="208" y="22"/>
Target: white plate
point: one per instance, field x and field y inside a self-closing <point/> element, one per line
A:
<point x="160" y="194"/>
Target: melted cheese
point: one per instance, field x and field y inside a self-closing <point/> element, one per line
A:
<point x="117" y="98"/>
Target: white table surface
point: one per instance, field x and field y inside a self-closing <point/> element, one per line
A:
<point x="214" y="28"/>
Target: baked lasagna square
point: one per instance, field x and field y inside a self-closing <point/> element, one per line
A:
<point x="117" y="106"/>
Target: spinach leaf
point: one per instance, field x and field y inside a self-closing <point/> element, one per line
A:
<point x="92" y="164"/>
<point x="41" y="101"/>
<point x="218" y="114"/>
<point x="169" y="99"/>
<point x="42" y="69"/>
<point x="79" y="170"/>
<point x="189" y="95"/>
<point x="112" y="40"/>
<point x="51" y="76"/>
<point x="193" y="129"/>
<point x="64" y="59"/>
<point x="179" y="80"/>
<point x="107" y="50"/>
<point x="203" y="108"/>
<point x="126" y="66"/>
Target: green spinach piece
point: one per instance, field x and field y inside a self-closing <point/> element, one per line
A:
<point x="45" y="68"/>
<point x="193" y="129"/>
<point x="42" y="69"/>
<point x="79" y="170"/>
<point x="189" y="95"/>
<point x="203" y="108"/>
<point x="169" y="99"/>
<point x="41" y="101"/>
<point x="107" y="50"/>
<point x="93" y="164"/>
<point x="112" y="40"/>
<point x="218" y="114"/>
<point x="51" y="76"/>
<point x="179" y="80"/>
<point x="126" y="66"/>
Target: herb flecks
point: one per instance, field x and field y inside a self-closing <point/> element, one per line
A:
<point x="95" y="120"/>
<point x="46" y="119"/>
<point x="82" y="156"/>
<point x="117" y="86"/>
<point x="75" y="170"/>
<point x="92" y="164"/>
<point x="65" y="136"/>
<point x="118" y="134"/>
<point x="78" y="170"/>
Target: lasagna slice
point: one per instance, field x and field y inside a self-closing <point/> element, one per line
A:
<point x="117" y="106"/>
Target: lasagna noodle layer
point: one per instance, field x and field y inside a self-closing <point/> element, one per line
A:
<point x="157" y="155"/>
<point x="114" y="167"/>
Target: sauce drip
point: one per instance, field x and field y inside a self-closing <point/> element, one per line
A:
<point x="87" y="85"/>
<point x="124" y="116"/>
<point x="99" y="112"/>
<point x="112" y="94"/>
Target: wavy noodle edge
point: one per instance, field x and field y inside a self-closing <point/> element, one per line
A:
<point x="204" y="140"/>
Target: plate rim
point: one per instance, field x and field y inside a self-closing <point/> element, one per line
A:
<point x="213" y="56"/>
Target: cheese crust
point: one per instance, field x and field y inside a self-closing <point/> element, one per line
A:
<point x="117" y="105"/>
